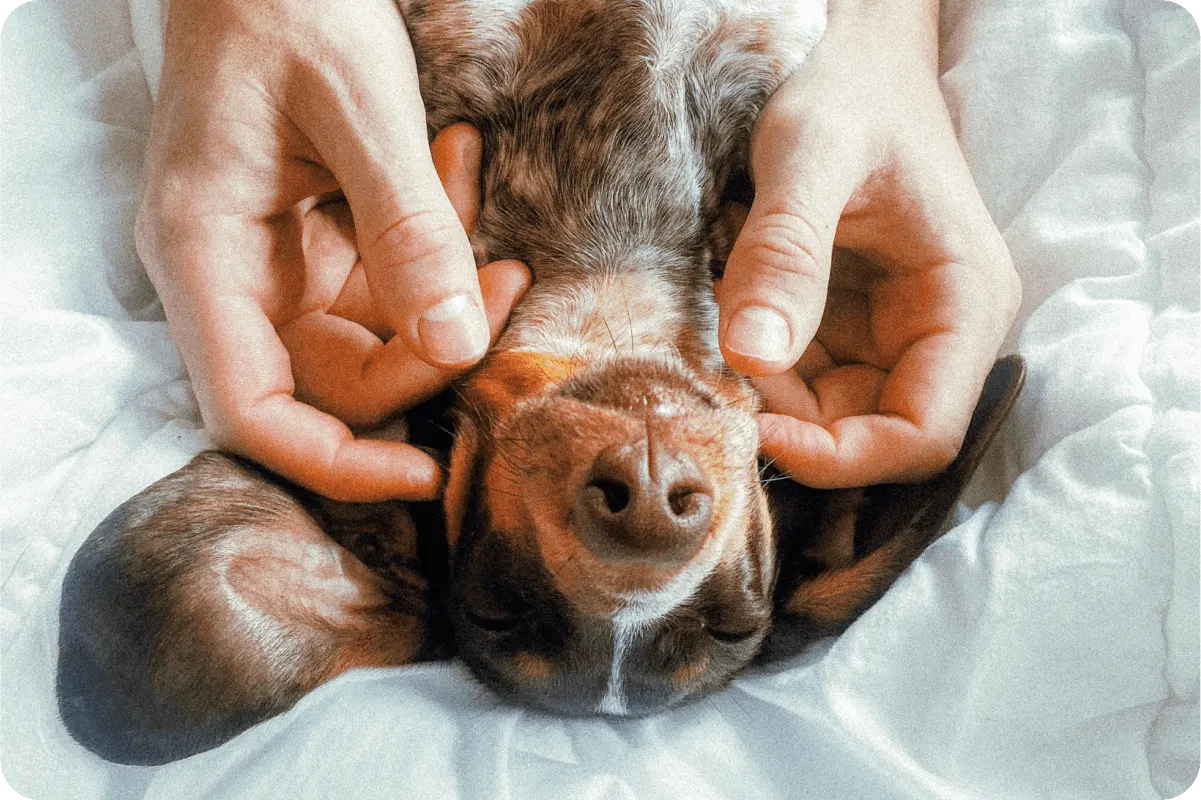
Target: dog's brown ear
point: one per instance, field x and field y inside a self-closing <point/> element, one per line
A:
<point x="846" y="547"/>
<point x="214" y="599"/>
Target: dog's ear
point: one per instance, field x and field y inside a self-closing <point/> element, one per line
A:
<point x="842" y="549"/>
<point x="213" y="600"/>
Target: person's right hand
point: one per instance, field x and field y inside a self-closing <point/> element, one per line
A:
<point x="266" y="111"/>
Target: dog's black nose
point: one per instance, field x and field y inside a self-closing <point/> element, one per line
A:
<point x="644" y="503"/>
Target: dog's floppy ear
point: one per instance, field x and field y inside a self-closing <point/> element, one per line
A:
<point x="865" y="538"/>
<point x="213" y="600"/>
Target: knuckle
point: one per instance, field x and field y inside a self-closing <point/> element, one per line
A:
<point x="169" y="196"/>
<point x="167" y="210"/>
<point x="415" y="238"/>
<point x="231" y="430"/>
<point x="1010" y="293"/>
<point x="1000" y="275"/>
<point x="143" y="235"/>
<point x="786" y="243"/>
<point x="233" y="425"/>
<point x="1001" y="289"/>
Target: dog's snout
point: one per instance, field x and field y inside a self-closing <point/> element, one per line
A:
<point x="644" y="502"/>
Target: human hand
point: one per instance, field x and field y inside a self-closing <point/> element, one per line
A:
<point x="269" y="113"/>
<point x="870" y="368"/>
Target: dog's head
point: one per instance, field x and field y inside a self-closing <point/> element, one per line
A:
<point x="612" y="546"/>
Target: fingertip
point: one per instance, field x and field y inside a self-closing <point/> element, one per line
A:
<point x="787" y="393"/>
<point x="798" y="448"/>
<point x="773" y="291"/>
<point x="459" y="144"/>
<point x="454" y="333"/>
<point x="457" y="152"/>
<point x="758" y="341"/>
<point x="369" y="471"/>
<point x="418" y="478"/>
<point x="507" y="277"/>
<point x="503" y="284"/>
<point x="320" y="453"/>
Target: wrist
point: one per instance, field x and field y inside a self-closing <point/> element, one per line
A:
<point x="902" y="26"/>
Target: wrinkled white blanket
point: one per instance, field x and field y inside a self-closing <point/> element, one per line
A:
<point x="1047" y="647"/>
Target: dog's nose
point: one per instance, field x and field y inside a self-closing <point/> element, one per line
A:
<point x="644" y="503"/>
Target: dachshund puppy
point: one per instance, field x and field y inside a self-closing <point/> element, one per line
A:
<point x="608" y="542"/>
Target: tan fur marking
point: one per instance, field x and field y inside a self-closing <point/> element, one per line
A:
<point x="687" y="673"/>
<point x="531" y="667"/>
<point x="508" y="377"/>
<point x="837" y="595"/>
<point x="502" y="493"/>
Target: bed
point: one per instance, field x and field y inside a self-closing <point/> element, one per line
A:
<point x="1046" y="647"/>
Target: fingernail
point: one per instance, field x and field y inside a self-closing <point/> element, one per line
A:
<point x="759" y="332"/>
<point x="454" y="331"/>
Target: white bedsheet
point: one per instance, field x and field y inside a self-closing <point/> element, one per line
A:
<point x="1047" y="647"/>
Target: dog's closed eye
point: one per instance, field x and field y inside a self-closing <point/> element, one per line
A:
<point x="731" y="637"/>
<point x="494" y="622"/>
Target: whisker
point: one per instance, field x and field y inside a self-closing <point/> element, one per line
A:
<point x="629" y="323"/>
<point x="611" y="337"/>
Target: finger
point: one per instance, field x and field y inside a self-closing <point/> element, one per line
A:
<point x="318" y="451"/>
<point x="774" y="287"/>
<point x="854" y="451"/>
<point x="329" y="228"/>
<point x="924" y="406"/>
<point x="368" y="125"/>
<point x="331" y="252"/>
<point x="243" y="382"/>
<point x="788" y="394"/>
<point x="837" y="392"/>
<point x="457" y="151"/>
<point x="342" y="368"/>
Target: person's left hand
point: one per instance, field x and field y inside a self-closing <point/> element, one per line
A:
<point x="871" y="366"/>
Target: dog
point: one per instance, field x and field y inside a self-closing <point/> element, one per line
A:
<point x="608" y="540"/>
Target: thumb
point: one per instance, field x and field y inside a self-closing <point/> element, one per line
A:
<point x="421" y="270"/>
<point x="774" y="287"/>
<point x="370" y="131"/>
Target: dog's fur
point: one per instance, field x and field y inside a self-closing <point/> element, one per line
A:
<point x="615" y="140"/>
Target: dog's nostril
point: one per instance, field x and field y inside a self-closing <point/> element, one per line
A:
<point x="616" y="495"/>
<point x="644" y="506"/>
<point x="684" y="500"/>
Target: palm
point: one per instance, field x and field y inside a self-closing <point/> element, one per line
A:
<point x="895" y="352"/>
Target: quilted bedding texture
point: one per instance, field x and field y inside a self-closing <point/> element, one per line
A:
<point x="1046" y="647"/>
